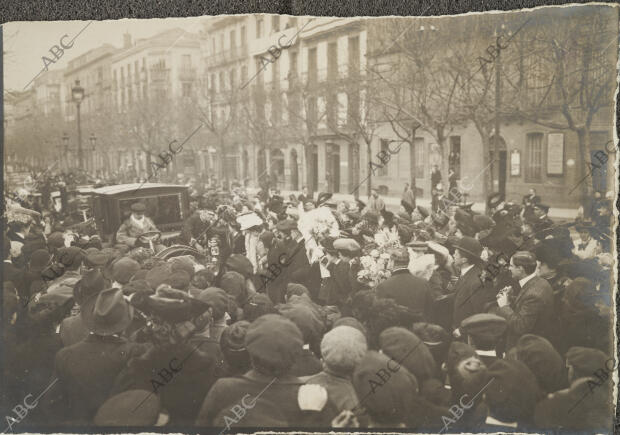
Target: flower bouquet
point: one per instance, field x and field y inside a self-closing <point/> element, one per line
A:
<point x="315" y="226"/>
<point x="376" y="264"/>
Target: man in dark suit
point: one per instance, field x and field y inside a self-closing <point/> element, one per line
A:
<point x="273" y="343"/>
<point x="586" y="405"/>
<point x="283" y="259"/>
<point x="532" y="310"/>
<point x="86" y="371"/>
<point x="344" y="271"/>
<point x="471" y="292"/>
<point x="407" y="290"/>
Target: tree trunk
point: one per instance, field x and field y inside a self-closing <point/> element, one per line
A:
<point x="355" y="169"/>
<point x="149" y="169"/>
<point x="368" y="163"/>
<point x="583" y="136"/>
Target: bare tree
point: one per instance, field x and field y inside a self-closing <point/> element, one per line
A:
<point x="219" y="113"/>
<point x="565" y="75"/>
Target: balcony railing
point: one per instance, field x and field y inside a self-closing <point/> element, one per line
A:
<point x="187" y="74"/>
<point x="231" y="55"/>
<point x="160" y="74"/>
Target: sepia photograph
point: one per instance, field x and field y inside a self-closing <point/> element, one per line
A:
<point x="267" y="222"/>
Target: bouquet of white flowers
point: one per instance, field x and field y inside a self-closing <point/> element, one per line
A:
<point x="376" y="265"/>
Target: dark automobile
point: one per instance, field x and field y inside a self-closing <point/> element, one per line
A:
<point x="166" y="204"/>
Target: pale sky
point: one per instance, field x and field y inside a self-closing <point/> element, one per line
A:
<point x="25" y="43"/>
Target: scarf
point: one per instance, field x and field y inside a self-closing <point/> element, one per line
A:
<point x="140" y="223"/>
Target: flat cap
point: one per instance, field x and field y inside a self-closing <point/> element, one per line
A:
<point x="121" y="410"/>
<point x="407" y="349"/>
<point x="124" y="269"/>
<point x="70" y="256"/>
<point x="217" y="299"/>
<point x="524" y="258"/>
<point x="138" y="207"/>
<point x="586" y="360"/>
<point x="286" y="225"/>
<point x="347" y="245"/>
<point x="484" y="325"/>
<point x="343" y="348"/>
<point x="274" y="339"/>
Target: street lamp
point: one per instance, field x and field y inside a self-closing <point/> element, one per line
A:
<point x="93" y="141"/>
<point x="77" y="92"/>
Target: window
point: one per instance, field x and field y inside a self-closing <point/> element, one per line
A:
<point x="221" y="42"/>
<point x="418" y="151"/>
<point x="312" y="66"/>
<point x="275" y="23"/>
<point x="385" y="150"/>
<point x="233" y="78"/>
<point x="332" y="60"/>
<point x="213" y="48"/>
<point x="222" y="83"/>
<point x="243" y="36"/>
<point x="354" y="55"/>
<point x="292" y="68"/>
<point x="454" y="159"/>
<point x="187" y="89"/>
<point x="292" y="22"/>
<point x="244" y="73"/>
<point x="259" y="27"/>
<point x="186" y="61"/>
<point x="212" y="84"/>
<point x="233" y="38"/>
<point x="534" y="163"/>
<point x="260" y="76"/>
<point x="136" y="70"/>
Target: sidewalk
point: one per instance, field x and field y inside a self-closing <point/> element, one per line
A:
<point x="392" y="203"/>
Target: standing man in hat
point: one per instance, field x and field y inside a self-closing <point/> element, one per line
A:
<point x="86" y="371"/>
<point x="136" y="225"/>
<point x="279" y="259"/>
<point x="406" y="289"/>
<point x="344" y="271"/>
<point x="532" y="310"/>
<point x="471" y="293"/>
<point x="484" y="332"/>
<point x="375" y="203"/>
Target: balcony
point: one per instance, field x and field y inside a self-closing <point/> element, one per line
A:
<point x="228" y="56"/>
<point x="187" y="74"/>
<point x="160" y="74"/>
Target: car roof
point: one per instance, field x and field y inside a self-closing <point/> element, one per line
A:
<point x="120" y="188"/>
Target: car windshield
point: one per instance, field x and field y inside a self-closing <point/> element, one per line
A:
<point x="163" y="209"/>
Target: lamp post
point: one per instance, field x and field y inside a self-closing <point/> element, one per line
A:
<point x="93" y="145"/>
<point x="77" y="92"/>
<point x="65" y="151"/>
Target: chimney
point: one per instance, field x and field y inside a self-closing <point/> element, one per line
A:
<point x="126" y="40"/>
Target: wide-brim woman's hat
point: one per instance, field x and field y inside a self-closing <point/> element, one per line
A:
<point x="107" y="312"/>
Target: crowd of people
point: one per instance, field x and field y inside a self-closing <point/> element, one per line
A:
<point x="303" y="311"/>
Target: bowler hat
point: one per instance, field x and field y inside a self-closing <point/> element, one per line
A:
<point x="107" y="312"/>
<point x="91" y="284"/>
<point x="470" y="247"/>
